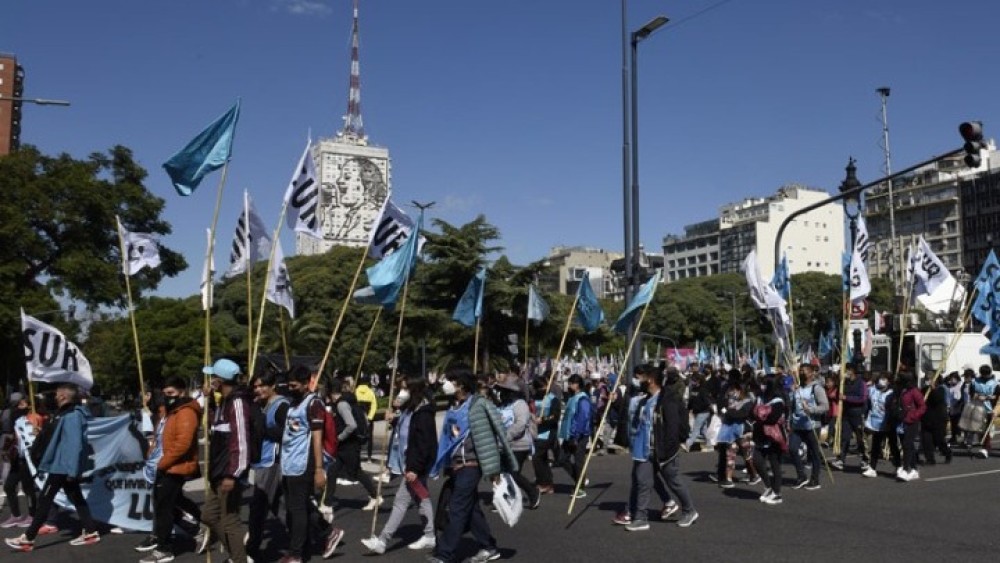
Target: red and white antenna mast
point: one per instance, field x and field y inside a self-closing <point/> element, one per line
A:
<point x="353" y="126"/>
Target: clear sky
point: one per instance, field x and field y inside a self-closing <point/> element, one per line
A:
<point x="511" y="108"/>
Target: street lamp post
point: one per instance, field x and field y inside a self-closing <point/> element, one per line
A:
<point x="36" y="101"/>
<point x="632" y="260"/>
<point x="852" y="208"/>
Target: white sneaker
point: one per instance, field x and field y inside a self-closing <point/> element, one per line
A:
<point x="425" y="542"/>
<point x="900" y="474"/>
<point x="870" y="472"/>
<point x="374" y="545"/>
<point x="345" y="483"/>
<point x="912" y="475"/>
<point x="327" y="513"/>
<point x="373" y="503"/>
<point x="983" y="454"/>
<point x="385" y="477"/>
<point x="767" y="494"/>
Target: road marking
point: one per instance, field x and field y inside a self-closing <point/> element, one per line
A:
<point x="962" y="476"/>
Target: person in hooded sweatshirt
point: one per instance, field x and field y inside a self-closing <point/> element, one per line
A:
<point x="933" y="424"/>
<point x="64" y="462"/>
<point x="412" y="452"/>
<point x="770" y="412"/>
<point x="913" y="408"/>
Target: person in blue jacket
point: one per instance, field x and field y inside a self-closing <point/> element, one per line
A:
<point x="574" y="430"/>
<point x="64" y="462"/>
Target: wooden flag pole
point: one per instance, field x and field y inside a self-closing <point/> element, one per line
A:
<point x="843" y="371"/>
<point x="527" y="323"/>
<point x="343" y="310"/>
<point x="963" y="318"/>
<point x="907" y="290"/>
<point x="475" y="350"/>
<point x="604" y="416"/>
<point x="246" y="258"/>
<point x="562" y="342"/>
<point x="392" y="391"/>
<point x="267" y="280"/>
<point x="284" y="340"/>
<point x="131" y="316"/>
<point x="368" y="341"/>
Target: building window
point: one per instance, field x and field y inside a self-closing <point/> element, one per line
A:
<point x="826" y="239"/>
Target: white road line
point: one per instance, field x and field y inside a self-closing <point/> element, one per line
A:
<point x="962" y="475"/>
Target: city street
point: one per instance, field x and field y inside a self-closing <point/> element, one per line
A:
<point x="949" y="514"/>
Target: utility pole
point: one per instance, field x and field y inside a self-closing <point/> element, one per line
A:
<point x="883" y="93"/>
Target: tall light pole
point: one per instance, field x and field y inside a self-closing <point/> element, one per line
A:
<point x="850" y="187"/>
<point x="36" y="101"/>
<point x="632" y="231"/>
<point x="883" y="93"/>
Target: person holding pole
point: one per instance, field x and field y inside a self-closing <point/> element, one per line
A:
<point x="351" y="432"/>
<point x="669" y="415"/>
<point x="270" y="412"/>
<point x="880" y="425"/>
<point x="809" y="403"/>
<point x="548" y="409"/>
<point x="574" y="430"/>
<point x="852" y="421"/>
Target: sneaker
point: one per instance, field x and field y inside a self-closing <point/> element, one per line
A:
<point x="425" y="542"/>
<point x="117" y="530"/>
<point x="546" y="489"/>
<point x="86" y="538"/>
<point x="485" y="554"/>
<point x="202" y="539"/>
<point x="290" y="559"/>
<point x="373" y="503"/>
<point x="327" y="513"/>
<point x="686" y="448"/>
<point x="669" y="510"/>
<point x="580" y="494"/>
<point x="385" y="477"/>
<point x="913" y="475"/>
<point x="983" y="454"/>
<point x="755" y="480"/>
<point x="687" y="519"/>
<point x="345" y="483"/>
<point x="773" y="499"/>
<point x="47" y="529"/>
<point x="11" y="522"/>
<point x="864" y="465"/>
<point x="812" y="486"/>
<point x="870" y="472"/>
<point x="727" y="484"/>
<point x="900" y="473"/>
<point x="713" y="477"/>
<point x="768" y="493"/>
<point x="637" y="526"/>
<point x="158" y="557"/>
<point x="148" y="544"/>
<point x="622" y="519"/>
<point x="25" y="521"/>
<point x="538" y="501"/>
<point x="374" y="544"/>
<point x="586" y="482"/>
<point x="332" y="541"/>
<point x="20" y="543"/>
<point x="800" y="483"/>
<point x="837" y="464"/>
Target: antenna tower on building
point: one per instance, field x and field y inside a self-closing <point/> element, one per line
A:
<point x="353" y="126"/>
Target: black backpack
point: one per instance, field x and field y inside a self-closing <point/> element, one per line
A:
<point x="360" y="415"/>
<point x="42" y="440"/>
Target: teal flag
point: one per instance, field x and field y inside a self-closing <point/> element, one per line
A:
<point x="538" y="309"/>
<point x="645" y="295"/>
<point x="386" y="279"/>
<point x="781" y="281"/>
<point x="470" y="306"/>
<point x="205" y="153"/>
<point x="588" y="309"/>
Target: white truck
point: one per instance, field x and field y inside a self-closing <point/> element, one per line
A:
<point x="924" y="352"/>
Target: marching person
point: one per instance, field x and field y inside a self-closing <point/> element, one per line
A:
<point x="413" y="447"/>
<point x="516" y="418"/>
<point x="934" y="422"/>
<point x="809" y="403"/>
<point x="913" y="408"/>
<point x="852" y="420"/>
<point x="574" y="430"/>
<point x="23" y="432"/>
<point x="175" y="456"/>
<point x="982" y="395"/>
<point x="769" y="437"/>
<point x="548" y="409"/>
<point x="700" y="406"/>
<point x="302" y="466"/>
<point x="229" y="461"/>
<point x="64" y="462"/>
<point x="351" y="432"/>
<point x="880" y="425"/>
<point x="270" y="411"/>
<point x="472" y="446"/>
<point x="369" y="404"/>
<point x="668" y="417"/>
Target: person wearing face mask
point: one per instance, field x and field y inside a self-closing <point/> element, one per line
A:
<point x="16" y="453"/>
<point x="521" y="430"/>
<point x="270" y="411"/>
<point x="932" y="424"/>
<point x="548" y="408"/>
<point x="852" y="419"/>
<point x="347" y="464"/>
<point x="174" y="461"/>
<point x="412" y="449"/>
<point x="574" y="430"/>
<point x="878" y="425"/>
<point x="808" y="404"/>
<point x="954" y="401"/>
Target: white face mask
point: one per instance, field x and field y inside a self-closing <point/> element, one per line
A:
<point x="883" y="383"/>
<point x="448" y="388"/>
<point x="403" y="396"/>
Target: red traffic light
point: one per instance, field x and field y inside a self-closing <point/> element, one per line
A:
<point x="971" y="131"/>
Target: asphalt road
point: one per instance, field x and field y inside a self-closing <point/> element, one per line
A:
<point x="951" y="513"/>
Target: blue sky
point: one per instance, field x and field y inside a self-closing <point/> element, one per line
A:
<point x="511" y="108"/>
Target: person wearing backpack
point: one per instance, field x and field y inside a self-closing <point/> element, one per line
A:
<point x="301" y="461"/>
<point x="351" y="435"/>
<point x="809" y="403"/>
<point x="879" y="423"/>
<point x="669" y="431"/>
<point x="64" y="462"/>
<point x="769" y="437"/>
<point x="270" y="411"/>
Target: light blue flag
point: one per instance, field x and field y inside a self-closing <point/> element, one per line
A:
<point x="781" y="281"/>
<point x="588" y="309"/>
<point x="470" y="306"/>
<point x="538" y="309"/>
<point x="642" y="297"/>
<point x="205" y="153"/>
<point x="986" y="297"/>
<point x="386" y="279"/>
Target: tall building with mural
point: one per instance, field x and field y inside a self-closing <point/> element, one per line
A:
<point x="355" y="176"/>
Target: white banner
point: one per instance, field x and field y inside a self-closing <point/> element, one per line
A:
<point x="391" y="230"/>
<point x="302" y="197"/>
<point x="861" y="241"/>
<point x="141" y="250"/>
<point x="50" y="357"/>
<point x="250" y="242"/>
<point x="279" y="283"/>
<point x="925" y="270"/>
<point x="860" y="284"/>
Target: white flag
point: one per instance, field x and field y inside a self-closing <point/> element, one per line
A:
<point x="141" y="250"/>
<point x="762" y="293"/>
<point x="250" y="242"/>
<point x="391" y="230"/>
<point x="302" y="197"/>
<point x="860" y="284"/>
<point x="279" y="284"/>
<point x="926" y="270"/>
<point x="50" y="357"/>
<point x="861" y="241"/>
<point x="207" y="273"/>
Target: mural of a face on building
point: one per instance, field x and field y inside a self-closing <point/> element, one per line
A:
<point x="359" y="191"/>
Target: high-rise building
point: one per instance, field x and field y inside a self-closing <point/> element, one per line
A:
<point x="355" y="177"/>
<point x="572" y="262"/>
<point x="11" y="86"/>
<point x="813" y="242"/>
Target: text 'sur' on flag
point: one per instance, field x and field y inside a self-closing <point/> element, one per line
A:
<point x="50" y="357"/>
<point x="207" y="152"/>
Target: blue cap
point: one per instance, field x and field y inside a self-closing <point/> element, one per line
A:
<point x="223" y="369"/>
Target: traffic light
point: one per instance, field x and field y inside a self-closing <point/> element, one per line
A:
<point x="972" y="133"/>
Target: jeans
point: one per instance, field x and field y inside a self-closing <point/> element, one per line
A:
<point x="852" y="424"/>
<point x="464" y="513"/>
<point x="910" y="432"/>
<point x="405" y="494"/>
<point x="168" y="496"/>
<point x="807" y="437"/>
<point x="347" y="464"/>
<point x="302" y="518"/>
<point x="771" y="455"/>
<point x="221" y="513"/>
<point x="71" y="487"/>
<point x="699" y="427"/>
<point x="670" y="473"/>
<point x="574" y="456"/>
<point x="932" y="436"/>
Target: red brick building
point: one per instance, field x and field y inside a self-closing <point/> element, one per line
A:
<point x="11" y="86"/>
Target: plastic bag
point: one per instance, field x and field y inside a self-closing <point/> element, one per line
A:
<point x="712" y="432"/>
<point x="507" y="499"/>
